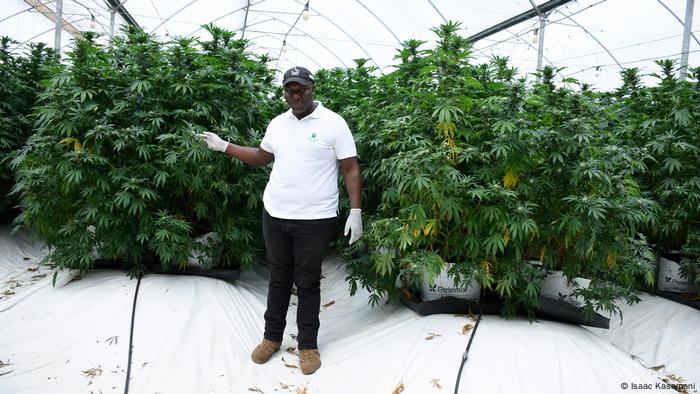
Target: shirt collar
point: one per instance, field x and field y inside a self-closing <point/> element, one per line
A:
<point x="318" y="112"/>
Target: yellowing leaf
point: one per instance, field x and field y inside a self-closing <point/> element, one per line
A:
<point x="429" y="228"/>
<point x="486" y="264"/>
<point x="611" y="259"/>
<point x="183" y="265"/>
<point x="506" y="236"/>
<point x="510" y="180"/>
<point x="77" y="146"/>
<point x="399" y="389"/>
<point x="542" y="253"/>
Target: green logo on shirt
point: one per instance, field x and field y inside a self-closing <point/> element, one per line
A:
<point x="313" y="136"/>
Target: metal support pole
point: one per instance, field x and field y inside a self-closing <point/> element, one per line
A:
<point x="687" y="28"/>
<point x="540" y="46"/>
<point x="245" y="19"/>
<point x="59" y="26"/>
<point x="112" y="15"/>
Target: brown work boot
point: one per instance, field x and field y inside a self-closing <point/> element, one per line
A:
<point x="265" y="350"/>
<point x="309" y="360"/>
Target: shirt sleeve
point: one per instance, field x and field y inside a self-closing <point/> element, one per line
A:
<point x="344" y="143"/>
<point x="266" y="142"/>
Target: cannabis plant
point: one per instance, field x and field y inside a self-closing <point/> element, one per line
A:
<point x="114" y="169"/>
<point x="19" y="88"/>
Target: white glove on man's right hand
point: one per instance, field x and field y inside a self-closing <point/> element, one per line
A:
<point x="214" y="142"/>
<point x="354" y="225"/>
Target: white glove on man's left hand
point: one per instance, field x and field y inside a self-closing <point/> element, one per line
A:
<point x="214" y="142"/>
<point x="354" y="225"/>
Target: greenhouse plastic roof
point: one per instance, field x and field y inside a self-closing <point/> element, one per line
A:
<point x="195" y="334"/>
<point x="592" y="39"/>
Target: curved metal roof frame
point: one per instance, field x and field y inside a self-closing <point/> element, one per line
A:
<point x="307" y="35"/>
<point x="225" y="15"/>
<point x="678" y="19"/>
<point x="289" y="45"/>
<point x="387" y="35"/>
<point x="380" y="21"/>
<point x="23" y="11"/>
<point x="347" y="34"/>
<point x="20" y="45"/>
<point x="174" y="13"/>
<point x="593" y="37"/>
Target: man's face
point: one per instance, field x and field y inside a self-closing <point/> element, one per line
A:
<point x="299" y="97"/>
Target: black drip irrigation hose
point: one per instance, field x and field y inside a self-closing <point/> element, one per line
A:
<point x="131" y="337"/>
<point x="465" y="355"/>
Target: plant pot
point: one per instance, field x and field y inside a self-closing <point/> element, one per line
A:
<point x="671" y="285"/>
<point x="557" y="302"/>
<point x="446" y="287"/>
<point x="445" y="296"/>
<point x="558" y="287"/>
<point x="668" y="276"/>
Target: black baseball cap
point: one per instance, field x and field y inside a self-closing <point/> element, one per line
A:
<point x="299" y="75"/>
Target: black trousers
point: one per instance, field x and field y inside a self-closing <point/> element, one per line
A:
<point x="295" y="249"/>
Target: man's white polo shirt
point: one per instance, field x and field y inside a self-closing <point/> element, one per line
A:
<point x="304" y="179"/>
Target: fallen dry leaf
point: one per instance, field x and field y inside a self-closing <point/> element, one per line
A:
<point x="432" y="335"/>
<point x="658" y="367"/>
<point x="284" y="386"/>
<point x="294" y="337"/>
<point x="673" y="379"/>
<point x="328" y="304"/>
<point x="472" y="316"/>
<point x="74" y="279"/>
<point x="92" y="372"/>
<point x="302" y="391"/>
<point x="39" y="276"/>
<point x="399" y="389"/>
<point x="467" y="327"/>
<point x="113" y="340"/>
<point x="2" y="364"/>
<point x="288" y="365"/>
<point x="436" y="383"/>
<point x="32" y="269"/>
<point x="291" y="350"/>
<point x="256" y="390"/>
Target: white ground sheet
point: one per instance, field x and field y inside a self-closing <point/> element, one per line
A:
<point x="194" y="335"/>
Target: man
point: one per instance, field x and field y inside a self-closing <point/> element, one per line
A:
<point x="307" y="143"/>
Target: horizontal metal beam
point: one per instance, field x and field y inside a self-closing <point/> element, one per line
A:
<point x="529" y="14"/>
<point x="119" y="7"/>
<point x="51" y="15"/>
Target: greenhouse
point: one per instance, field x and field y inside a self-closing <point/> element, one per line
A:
<point x="306" y="196"/>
